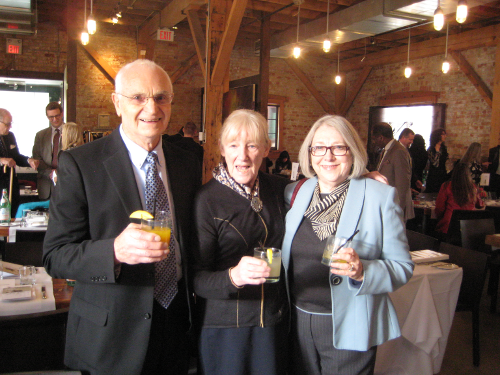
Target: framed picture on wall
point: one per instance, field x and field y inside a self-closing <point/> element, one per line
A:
<point x="242" y="97"/>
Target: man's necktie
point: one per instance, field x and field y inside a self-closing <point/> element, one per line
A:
<point x="157" y="200"/>
<point x="380" y="159"/>
<point x="55" y="148"/>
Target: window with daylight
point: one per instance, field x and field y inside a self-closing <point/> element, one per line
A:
<point x="275" y="116"/>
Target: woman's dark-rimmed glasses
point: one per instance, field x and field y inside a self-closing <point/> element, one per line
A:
<point x="335" y="150"/>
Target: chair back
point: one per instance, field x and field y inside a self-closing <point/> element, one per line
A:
<point x="24" y="253"/>
<point x="473" y="233"/>
<point x="33" y="342"/>
<point x="454" y="235"/>
<point x="496" y="214"/>
<point x="419" y="241"/>
<point x="30" y="235"/>
<point x="474" y="264"/>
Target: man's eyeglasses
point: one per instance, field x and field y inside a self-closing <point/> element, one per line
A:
<point x="335" y="150"/>
<point x="141" y="99"/>
<point x="54" y="117"/>
<point x="8" y="124"/>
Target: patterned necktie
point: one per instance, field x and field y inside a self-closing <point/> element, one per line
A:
<point x="55" y="148"/>
<point x="157" y="200"/>
<point x="380" y="159"/>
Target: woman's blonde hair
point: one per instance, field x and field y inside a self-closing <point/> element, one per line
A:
<point x="252" y="122"/>
<point x="71" y="136"/>
<point x="351" y="139"/>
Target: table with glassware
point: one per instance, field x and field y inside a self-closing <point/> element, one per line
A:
<point x="425" y="307"/>
<point x="38" y="222"/>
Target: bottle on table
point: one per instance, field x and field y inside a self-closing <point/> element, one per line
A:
<point x="5" y="208"/>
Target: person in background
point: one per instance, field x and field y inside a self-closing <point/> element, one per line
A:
<point x="472" y="158"/>
<point x="340" y="314"/>
<point x="458" y="194"/>
<point x="72" y="136"/>
<point x="10" y="157"/>
<point x="419" y="160"/>
<point x="438" y="155"/>
<point x="283" y="162"/>
<point x="46" y="149"/>
<point x="130" y="309"/>
<point x="187" y="141"/>
<point x="494" y="170"/>
<point x="395" y="164"/>
<point x="243" y="320"/>
<point x="406" y="137"/>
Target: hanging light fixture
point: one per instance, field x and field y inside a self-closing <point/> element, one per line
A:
<point x="461" y="11"/>
<point x="114" y="19"/>
<point x="408" y="69"/>
<point x="446" y="65"/>
<point x="296" y="49"/>
<point x="91" y="24"/>
<point x="327" y="44"/>
<point x="438" y="18"/>
<point x="85" y="35"/>
<point x="338" y="78"/>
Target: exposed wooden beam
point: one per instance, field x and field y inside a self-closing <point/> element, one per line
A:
<point x="303" y="78"/>
<point x="100" y="63"/>
<point x="183" y="68"/>
<point x="265" y="57"/>
<point x="495" y="109"/>
<point x="469" y="71"/>
<point x="198" y="36"/>
<point x="228" y="39"/>
<point x="173" y="13"/>
<point x="355" y="90"/>
<point x="487" y="37"/>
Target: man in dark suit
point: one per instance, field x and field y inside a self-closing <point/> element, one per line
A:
<point x="10" y="157"/>
<point x="493" y="170"/>
<point x="395" y="164"/>
<point x="46" y="149"/>
<point x="117" y="322"/>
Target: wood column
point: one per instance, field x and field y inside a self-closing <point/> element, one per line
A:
<point x="495" y="109"/>
<point x="265" y="56"/>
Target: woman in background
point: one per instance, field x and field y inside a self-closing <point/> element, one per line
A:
<point x="283" y="162"/>
<point x="71" y="136"/>
<point x="458" y="194"/>
<point x="438" y="155"/>
<point x="472" y="158"/>
<point x="419" y="159"/>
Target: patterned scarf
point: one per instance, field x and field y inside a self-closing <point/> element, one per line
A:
<point x="221" y="174"/>
<point x="325" y="213"/>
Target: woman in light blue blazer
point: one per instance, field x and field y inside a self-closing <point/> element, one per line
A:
<point x="342" y="312"/>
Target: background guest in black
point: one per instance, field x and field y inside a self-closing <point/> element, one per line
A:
<point x="283" y="162"/>
<point x="438" y="155"/>
<point x="419" y="159"/>
<point x="10" y="157"/>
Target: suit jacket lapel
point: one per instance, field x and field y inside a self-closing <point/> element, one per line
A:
<point x="353" y="205"/>
<point x="121" y="173"/>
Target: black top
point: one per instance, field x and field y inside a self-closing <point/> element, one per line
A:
<point x="227" y="229"/>
<point x="419" y="162"/>
<point x="307" y="274"/>
<point x="437" y="174"/>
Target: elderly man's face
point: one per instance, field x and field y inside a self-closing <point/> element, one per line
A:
<point x="143" y="124"/>
<point x="5" y="124"/>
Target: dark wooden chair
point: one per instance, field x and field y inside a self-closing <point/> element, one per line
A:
<point x="474" y="264"/>
<point x="419" y="241"/>
<point x="454" y="235"/>
<point x="33" y="342"/>
<point x="24" y="253"/>
<point x="30" y="235"/>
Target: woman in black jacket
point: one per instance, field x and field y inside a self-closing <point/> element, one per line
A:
<point x="438" y="155"/>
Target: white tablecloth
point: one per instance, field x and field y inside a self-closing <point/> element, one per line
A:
<point x="425" y="308"/>
<point x="34" y="305"/>
<point x="16" y="226"/>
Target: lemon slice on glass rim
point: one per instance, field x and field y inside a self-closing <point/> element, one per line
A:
<point x="140" y="214"/>
<point x="270" y="255"/>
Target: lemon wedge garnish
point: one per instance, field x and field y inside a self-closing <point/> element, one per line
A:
<point x="141" y="215"/>
<point x="270" y="255"/>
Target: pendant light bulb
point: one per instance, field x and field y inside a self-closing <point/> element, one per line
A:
<point x="91" y="25"/>
<point x="296" y="52"/>
<point x="407" y="72"/>
<point x="85" y="38"/>
<point x="327" y="44"/>
<point x="461" y="11"/>
<point x="115" y="20"/>
<point x="338" y="79"/>
<point x="438" y="19"/>
<point x="445" y="67"/>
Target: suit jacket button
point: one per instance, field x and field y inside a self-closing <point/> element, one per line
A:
<point x="335" y="280"/>
<point x="147" y="316"/>
<point x="104" y="278"/>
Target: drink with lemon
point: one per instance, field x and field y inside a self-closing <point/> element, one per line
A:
<point x="273" y="258"/>
<point x="160" y="224"/>
<point x="333" y="245"/>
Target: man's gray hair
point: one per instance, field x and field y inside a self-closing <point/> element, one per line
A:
<point x="135" y="65"/>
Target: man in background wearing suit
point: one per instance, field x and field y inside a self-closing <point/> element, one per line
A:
<point x="394" y="163"/>
<point x="10" y="157"/>
<point x="46" y="149"/>
<point x="130" y="309"/>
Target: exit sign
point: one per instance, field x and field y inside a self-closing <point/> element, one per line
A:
<point x="14" y="46"/>
<point x="165" y="34"/>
